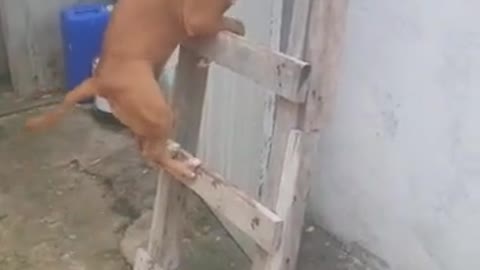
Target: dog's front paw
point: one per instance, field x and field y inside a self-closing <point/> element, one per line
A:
<point x="183" y="171"/>
<point x="235" y="26"/>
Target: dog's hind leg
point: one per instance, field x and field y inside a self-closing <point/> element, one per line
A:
<point x="205" y="19"/>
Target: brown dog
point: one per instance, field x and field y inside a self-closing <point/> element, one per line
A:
<point x="140" y="37"/>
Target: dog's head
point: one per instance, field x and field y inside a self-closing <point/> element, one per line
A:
<point x="201" y="16"/>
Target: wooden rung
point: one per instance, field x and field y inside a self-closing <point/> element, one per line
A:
<point x="257" y="221"/>
<point x="273" y="70"/>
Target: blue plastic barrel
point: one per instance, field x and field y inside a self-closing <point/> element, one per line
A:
<point x="82" y="30"/>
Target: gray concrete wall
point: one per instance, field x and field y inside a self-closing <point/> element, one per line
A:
<point x="31" y="30"/>
<point x="399" y="161"/>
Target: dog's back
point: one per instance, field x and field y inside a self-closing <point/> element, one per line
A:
<point x="141" y="36"/>
<point x="143" y="29"/>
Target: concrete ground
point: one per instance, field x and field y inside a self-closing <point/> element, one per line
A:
<point x="79" y="198"/>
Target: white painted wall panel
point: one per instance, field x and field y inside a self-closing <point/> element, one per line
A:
<point x="232" y="134"/>
<point x="399" y="161"/>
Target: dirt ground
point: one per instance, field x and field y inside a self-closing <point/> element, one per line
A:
<point x="71" y="198"/>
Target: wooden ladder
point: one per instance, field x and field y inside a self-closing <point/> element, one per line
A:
<point x="274" y="222"/>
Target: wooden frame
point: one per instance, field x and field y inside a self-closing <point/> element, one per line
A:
<point x="274" y="222"/>
<point x="281" y="73"/>
<point x="258" y="222"/>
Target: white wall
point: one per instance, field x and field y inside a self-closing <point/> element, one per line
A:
<point x="232" y="130"/>
<point x="399" y="161"/>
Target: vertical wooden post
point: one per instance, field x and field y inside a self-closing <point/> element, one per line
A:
<point x="270" y="102"/>
<point x="170" y="203"/>
<point x="283" y="117"/>
<point x="286" y="115"/>
<point x="324" y="21"/>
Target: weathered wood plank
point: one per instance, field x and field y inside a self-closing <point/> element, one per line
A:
<point x="291" y="206"/>
<point x="269" y="113"/>
<point x="324" y="45"/>
<point x="278" y="72"/>
<point x="255" y="220"/>
<point x="271" y="122"/>
<point x="167" y="221"/>
<point x="251" y="217"/>
<point x="291" y="203"/>
<point x="286" y="120"/>
<point x="286" y="116"/>
<point x="170" y="202"/>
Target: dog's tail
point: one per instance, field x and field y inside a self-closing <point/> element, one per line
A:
<point x="85" y="90"/>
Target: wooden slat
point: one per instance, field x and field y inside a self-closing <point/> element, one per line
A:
<point x="291" y="203"/>
<point x="284" y="164"/>
<point x="258" y="222"/>
<point x="272" y="188"/>
<point x="279" y="72"/>
<point x="285" y="119"/>
<point x="286" y="116"/>
<point x="255" y="220"/>
<point x="171" y="198"/>
<point x="167" y="221"/>
<point x="277" y="26"/>
<point x="324" y="44"/>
